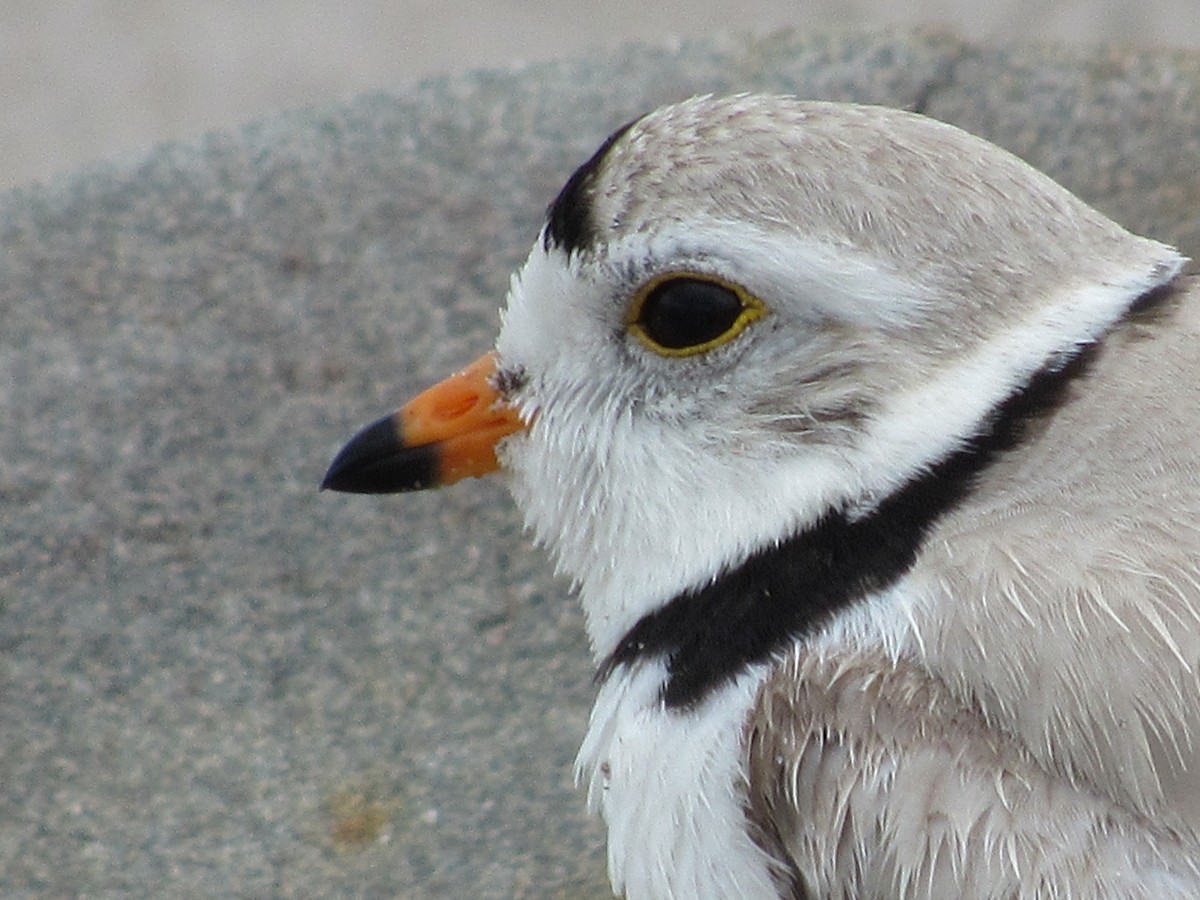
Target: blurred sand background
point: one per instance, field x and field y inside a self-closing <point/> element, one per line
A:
<point x="100" y="79"/>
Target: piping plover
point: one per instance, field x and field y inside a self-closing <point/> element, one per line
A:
<point x="872" y="453"/>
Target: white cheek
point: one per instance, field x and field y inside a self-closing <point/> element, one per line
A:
<point x="636" y="511"/>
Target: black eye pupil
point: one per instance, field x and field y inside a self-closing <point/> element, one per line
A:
<point x="686" y="312"/>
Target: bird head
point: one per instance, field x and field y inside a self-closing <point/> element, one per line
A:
<point x="745" y="314"/>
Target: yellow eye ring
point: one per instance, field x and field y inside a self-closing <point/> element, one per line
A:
<point x="686" y="313"/>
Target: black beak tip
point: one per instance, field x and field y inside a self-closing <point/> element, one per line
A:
<point x="377" y="461"/>
<point x="344" y="477"/>
<point x="330" y="482"/>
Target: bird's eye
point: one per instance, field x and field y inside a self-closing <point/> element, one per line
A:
<point x="680" y="314"/>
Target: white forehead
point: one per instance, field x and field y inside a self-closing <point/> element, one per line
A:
<point x="559" y="296"/>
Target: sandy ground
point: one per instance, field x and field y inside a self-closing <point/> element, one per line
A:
<point x="96" y="79"/>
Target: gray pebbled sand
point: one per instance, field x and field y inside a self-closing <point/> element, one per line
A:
<point x="216" y="681"/>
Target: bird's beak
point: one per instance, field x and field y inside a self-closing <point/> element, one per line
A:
<point x="444" y="434"/>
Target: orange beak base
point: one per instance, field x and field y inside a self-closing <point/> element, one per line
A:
<point x="444" y="434"/>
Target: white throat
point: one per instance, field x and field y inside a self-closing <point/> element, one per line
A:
<point x="671" y="786"/>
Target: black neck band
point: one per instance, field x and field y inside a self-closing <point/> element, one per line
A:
<point x="709" y="634"/>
